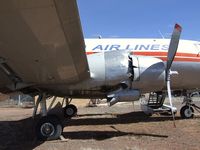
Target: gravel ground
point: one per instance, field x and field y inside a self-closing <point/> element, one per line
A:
<point x="96" y="128"/>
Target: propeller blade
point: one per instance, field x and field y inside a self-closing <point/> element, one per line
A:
<point x="173" y="46"/>
<point x="130" y="71"/>
<point x="170" y="101"/>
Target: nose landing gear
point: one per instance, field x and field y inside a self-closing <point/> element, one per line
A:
<point x="187" y="111"/>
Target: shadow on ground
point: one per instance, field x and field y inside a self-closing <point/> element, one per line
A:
<point x="18" y="134"/>
<point x="21" y="134"/>
<point x="132" y="117"/>
<point x="102" y="135"/>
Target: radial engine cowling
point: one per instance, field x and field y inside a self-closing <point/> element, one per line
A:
<point x="149" y="74"/>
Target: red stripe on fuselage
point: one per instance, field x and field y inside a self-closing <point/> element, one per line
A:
<point x="89" y="53"/>
<point x="180" y="56"/>
<point x="184" y="57"/>
<point x="164" y="54"/>
<point x="180" y="59"/>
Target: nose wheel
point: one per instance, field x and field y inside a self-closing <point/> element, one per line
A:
<point x="187" y="112"/>
<point x="70" y="111"/>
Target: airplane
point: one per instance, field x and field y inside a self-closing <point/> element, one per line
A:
<point x="43" y="53"/>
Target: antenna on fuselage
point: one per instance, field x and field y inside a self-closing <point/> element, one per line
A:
<point x="99" y="37"/>
<point x="161" y="34"/>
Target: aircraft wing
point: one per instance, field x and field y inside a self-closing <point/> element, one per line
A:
<point x="41" y="42"/>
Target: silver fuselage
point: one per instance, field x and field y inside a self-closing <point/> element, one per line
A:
<point x="108" y="66"/>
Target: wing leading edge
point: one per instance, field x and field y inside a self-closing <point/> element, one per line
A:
<point x="42" y="42"/>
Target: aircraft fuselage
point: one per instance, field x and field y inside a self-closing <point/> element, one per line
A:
<point x="108" y="64"/>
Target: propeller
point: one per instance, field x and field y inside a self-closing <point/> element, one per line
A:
<point x="130" y="71"/>
<point x="170" y="58"/>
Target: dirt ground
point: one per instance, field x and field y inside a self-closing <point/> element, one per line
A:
<point x="98" y="128"/>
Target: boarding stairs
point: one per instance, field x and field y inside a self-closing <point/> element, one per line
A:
<point x="156" y="100"/>
<point x="155" y="104"/>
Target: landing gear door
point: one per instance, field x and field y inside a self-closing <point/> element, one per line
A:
<point x="136" y="68"/>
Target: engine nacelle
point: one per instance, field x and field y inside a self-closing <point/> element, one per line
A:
<point x="149" y="72"/>
<point x="111" y="68"/>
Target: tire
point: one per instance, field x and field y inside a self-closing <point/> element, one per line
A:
<point x="187" y="112"/>
<point x="53" y="127"/>
<point x="148" y="114"/>
<point x="70" y="111"/>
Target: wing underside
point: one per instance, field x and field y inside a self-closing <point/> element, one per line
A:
<point x="41" y="42"/>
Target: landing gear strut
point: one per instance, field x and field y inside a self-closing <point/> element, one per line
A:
<point x="49" y="127"/>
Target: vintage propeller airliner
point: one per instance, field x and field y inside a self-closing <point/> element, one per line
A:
<point x="43" y="52"/>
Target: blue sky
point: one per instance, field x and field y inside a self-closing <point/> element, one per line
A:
<point x="139" y="18"/>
